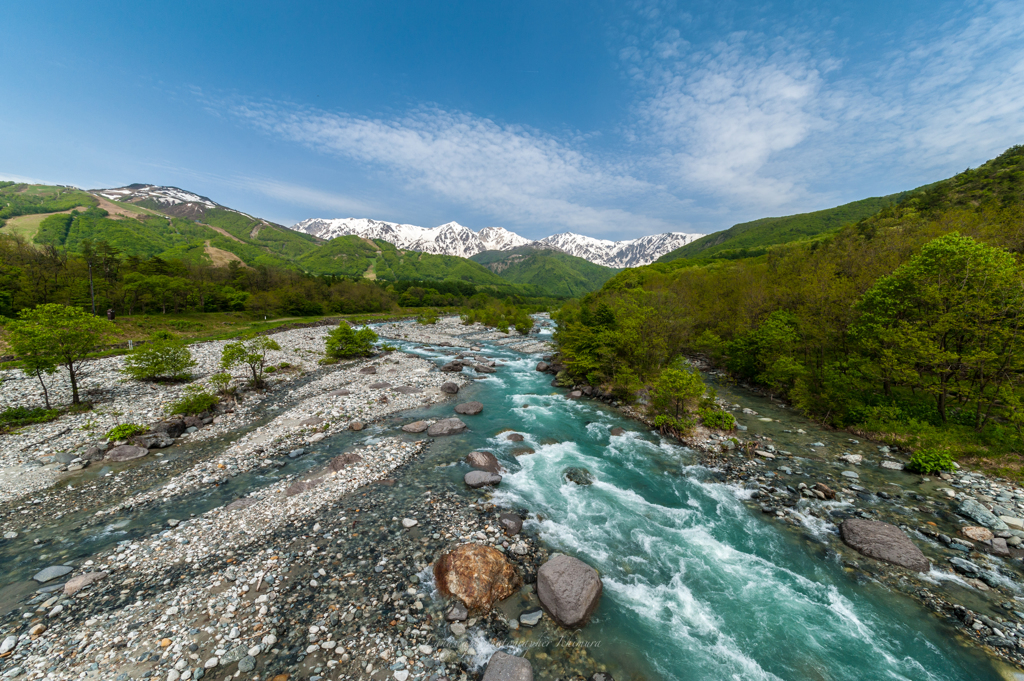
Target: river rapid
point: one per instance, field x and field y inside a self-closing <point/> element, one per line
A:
<point x="696" y="584"/>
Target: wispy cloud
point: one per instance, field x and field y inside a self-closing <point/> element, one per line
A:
<point x="511" y="173"/>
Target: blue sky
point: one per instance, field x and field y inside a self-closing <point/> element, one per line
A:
<point x="608" y="119"/>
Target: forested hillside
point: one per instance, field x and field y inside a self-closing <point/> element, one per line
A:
<point x="557" y="273"/>
<point x="907" y="323"/>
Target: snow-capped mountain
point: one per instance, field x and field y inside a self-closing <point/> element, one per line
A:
<point x="448" y="239"/>
<point x="455" y="239"/>
<point x="169" y="200"/>
<point x="631" y="253"/>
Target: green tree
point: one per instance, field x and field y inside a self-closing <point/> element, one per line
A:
<point x="162" y="358"/>
<point x="250" y="351"/>
<point x="343" y="341"/>
<point x="947" y="322"/>
<point x="677" y="392"/>
<point x="65" y="334"/>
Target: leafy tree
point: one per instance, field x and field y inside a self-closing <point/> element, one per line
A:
<point x="676" y="392"/>
<point x="62" y="333"/>
<point x="162" y="358"/>
<point x="949" y="322"/>
<point x="251" y="351"/>
<point x="343" y="341"/>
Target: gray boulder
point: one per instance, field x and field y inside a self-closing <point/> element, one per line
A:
<point x="126" y="453"/>
<point x="174" y="427"/>
<point x="505" y="667"/>
<point x="157" y="440"/>
<point x="477" y="479"/>
<point x="884" y="542"/>
<point x="511" y="523"/>
<point x="446" y="427"/>
<point x="542" y="366"/>
<point x="483" y="369"/>
<point x="415" y="427"/>
<point x="449" y="387"/>
<point x="484" y="461"/>
<point x="368" y="370"/>
<point x="406" y="390"/>
<point x="469" y="408"/>
<point x="569" y="590"/>
<point x="53" y="572"/>
<point x="580" y="476"/>
<point x="457" y="613"/>
<point x="452" y="367"/>
<point x="979" y="514"/>
<point x="92" y="454"/>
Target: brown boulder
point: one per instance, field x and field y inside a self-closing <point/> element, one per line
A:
<point x="825" y="490"/>
<point x="355" y="425"/>
<point x="368" y="370"/>
<point x="477" y="575"/>
<point x="78" y="583"/>
<point x="125" y="453"/>
<point x="449" y="387"/>
<point x="618" y="431"/>
<point x="484" y="461"/>
<point x="977" y="533"/>
<point x="339" y="462"/>
<point x="514" y="437"/>
<point x="415" y="427"/>
<point x="884" y="542"/>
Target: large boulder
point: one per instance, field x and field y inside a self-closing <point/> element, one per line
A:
<point x="469" y="408"/>
<point x="174" y="427"/>
<point x="569" y="590"/>
<point x="368" y="370"/>
<point x="483" y="369"/>
<point x="981" y="515"/>
<point x="449" y="387"/>
<point x="580" y="476"/>
<point x="477" y="575"/>
<point x="51" y="573"/>
<point x="505" y="667"/>
<point x="478" y="479"/>
<point x="542" y="366"/>
<point x="452" y="367"/>
<point x="416" y="427"/>
<point x="156" y="440"/>
<point x="511" y="523"/>
<point x="125" y="453"/>
<point x="78" y="583"/>
<point x="446" y="427"/>
<point x="484" y="461"/>
<point x="883" y="541"/>
<point x="514" y="437"/>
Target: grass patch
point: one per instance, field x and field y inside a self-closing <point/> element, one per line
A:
<point x="12" y="417"/>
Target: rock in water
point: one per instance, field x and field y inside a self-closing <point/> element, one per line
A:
<point x="126" y="453"/>
<point x="514" y="437"/>
<point x="53" y="572"/>
<point x="883" y="541"/>
<point x="457" y="613"/>
<point x="505" y="667"/>
<point x="415" y="427"/>
<point x="616" y="431"/>
<point x="153" y="440"/>
<point x="449" y="387"/>
<point x="569" y="590"/>
<point x="446" y="427"/>
<point x="979" y="514"/>
<point x="355" y="425"/>
<point x="484" y="461"/>
<point x="477" y="479"/>
<point x="580" y="476"/>
<point x="78" y="583"/>
<point x="542" y="366"/>
<point x="977" y="533"/>
<point x="477" y="575"/>
<point x="469" y="408"/>
<point x="452" y="367"/>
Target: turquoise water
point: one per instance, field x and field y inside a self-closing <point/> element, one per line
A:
<point x="696" y="585"/>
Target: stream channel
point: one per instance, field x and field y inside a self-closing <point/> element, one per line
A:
<point x="697" y="585"/>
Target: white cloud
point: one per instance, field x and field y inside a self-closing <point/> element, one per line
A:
<point x="516" y="175"/>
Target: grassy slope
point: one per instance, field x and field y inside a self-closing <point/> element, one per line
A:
<point x="751" y="238"/>
<point x="560" y="274"/>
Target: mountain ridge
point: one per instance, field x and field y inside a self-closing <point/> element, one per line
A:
<point x="452" y="238"/>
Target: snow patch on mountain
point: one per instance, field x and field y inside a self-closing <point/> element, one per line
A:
<point x="455" y="239"/>
<point x="165" y="196"/>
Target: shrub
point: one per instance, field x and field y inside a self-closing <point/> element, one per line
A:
<point x="251" y="351"/>
<point x="220" y="382"/>
<point x="716" y="418"/>
<point x="125" y="431"/>
<point x="270" y="369"/>
<point x="681" y="426"/>
<point x="23" y="416"/>
<point x="194" y="400"/>
<point x="343" y="341"/>
<point x="427" y="317"/>
<point x="926" y="461"/>
<point x="160" y="359"/>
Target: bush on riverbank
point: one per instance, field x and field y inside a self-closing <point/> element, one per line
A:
<point x="194" y="400"/>
<point x="344" y="342"/>
<point x="163" y="358"/>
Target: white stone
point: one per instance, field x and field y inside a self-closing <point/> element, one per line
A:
<point x="409" y="522"/>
